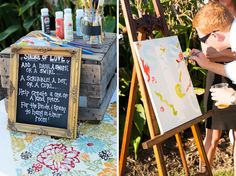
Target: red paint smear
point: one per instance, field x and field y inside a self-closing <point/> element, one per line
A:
<point x="146" y="69"/>
<point x="162" y="109"/>
<point x="181" y="57"/>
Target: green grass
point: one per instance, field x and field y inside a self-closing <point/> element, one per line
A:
<point x="222" y="172"/>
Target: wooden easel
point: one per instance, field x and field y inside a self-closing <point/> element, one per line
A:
<point x="140" y="29"/>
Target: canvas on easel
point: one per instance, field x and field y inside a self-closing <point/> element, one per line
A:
<point x="142" y="29"/>
<point x="168" y="82"/>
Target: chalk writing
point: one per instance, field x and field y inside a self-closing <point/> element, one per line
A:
<point x="43" y="90"/>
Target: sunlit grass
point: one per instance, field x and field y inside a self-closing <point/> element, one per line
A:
<point x="228" y="172"/>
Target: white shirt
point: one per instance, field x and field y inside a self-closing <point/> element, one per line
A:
<point x="230" y="68"/>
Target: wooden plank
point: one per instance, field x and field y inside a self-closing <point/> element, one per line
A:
<point x="5" y="81"/>
<point x="94" y="73"/>
<point x="164" y="136"/>
<point x="90" y="74"/>
<point x="110" y="55"/>
<point x="5" y="67"/>
<point x="98" y="113"/>
<point x="94" y="98"/>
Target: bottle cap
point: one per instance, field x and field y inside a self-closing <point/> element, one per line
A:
<point x="44" y="11"/>
<point x="67" y="10"/>
<point x="79" y="12"/>
<point x="59" y="14"/>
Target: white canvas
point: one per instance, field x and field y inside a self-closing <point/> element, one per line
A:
<point x="168" y="82"/>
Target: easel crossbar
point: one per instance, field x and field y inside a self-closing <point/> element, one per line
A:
<point x="162" y="137"/>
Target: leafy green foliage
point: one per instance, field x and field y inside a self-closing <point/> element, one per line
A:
<point x="10" y="30"/>
<point x="109" y="23"/>
<point x="20" y="17"/>
<point x="178" y="15"/>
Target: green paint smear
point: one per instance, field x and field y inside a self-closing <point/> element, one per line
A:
<point x="166" y="102"/>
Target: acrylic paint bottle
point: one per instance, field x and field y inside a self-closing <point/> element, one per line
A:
<point x="68" y="25"/>
<point x="45" y="21"/>
<point x="59" y="22"/>
<point x="79" y="15"/>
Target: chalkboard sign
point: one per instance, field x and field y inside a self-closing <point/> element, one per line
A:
<point x="44" y="90"/>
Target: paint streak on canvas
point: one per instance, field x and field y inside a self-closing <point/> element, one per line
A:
<point x="174" y="112"/>
<point x="180" y="57"/>
<point x="189" y="85"/>
<point x="146" y="70"/>
<point x="178" y="91"/>
<point x="163" y="50"/>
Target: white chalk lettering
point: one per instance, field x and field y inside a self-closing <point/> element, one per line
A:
<point x="24" y="105"/>
<point x="41" y="119"/>
<point x="28" y="70"/>
<point x="62" y="81"/>
<point x="22" y="78"/>
<point x="46" y="86"/>
<point x="23" y="92"/>
<point x="47" y="71"/>
<point x="52" y="100"/>
<point x="27" y="111"/>
<point x="31" y="57"/>
<point x="59" y="108"/>
<point x="57" y="59"/>
<point x="25" y="65"/>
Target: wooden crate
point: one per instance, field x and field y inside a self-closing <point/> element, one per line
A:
<point x="4" y="72"/>
<point x="96" y="114"/>
<point x="4" y="67"/>
<point x="97" y="82"/>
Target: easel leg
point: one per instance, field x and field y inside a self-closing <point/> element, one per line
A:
<point x="200" y="148"/>
<point x="182" y="153"/>
<point x="128" y="123"/>
<point x="152" y="124"/>
<point x="159" y="155"/>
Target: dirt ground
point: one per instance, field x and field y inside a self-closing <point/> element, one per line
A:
<point x="146" y="164"/>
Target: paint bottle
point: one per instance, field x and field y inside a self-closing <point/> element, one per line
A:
<point x="68" y="25"/>
<point x="45" y="21"/>
<point x="59" y="24"/>
<point x="79" y="15"/>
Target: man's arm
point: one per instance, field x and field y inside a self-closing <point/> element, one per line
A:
<point x="218" y="56"/>
<point x="205" y="63"/>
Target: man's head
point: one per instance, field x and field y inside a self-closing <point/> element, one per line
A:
<point x="213" y="22"/>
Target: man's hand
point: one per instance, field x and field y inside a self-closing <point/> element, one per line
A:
<point x="200" y="58"/>
<point x="222" y="95"/>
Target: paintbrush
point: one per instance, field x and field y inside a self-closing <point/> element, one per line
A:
<point x="189" y="56"/>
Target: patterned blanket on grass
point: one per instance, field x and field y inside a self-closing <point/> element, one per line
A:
<point x="94" y="152"/>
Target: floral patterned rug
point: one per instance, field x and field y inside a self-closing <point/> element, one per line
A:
<point x="94" y="152"/>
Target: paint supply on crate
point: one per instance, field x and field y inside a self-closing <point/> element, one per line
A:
<point x="57" y="41"/>
<point x="68" y="25"/>
<point x="92" y="23"/>
<point x="59" y="23"/>
<point x="79" y="15"/>
<point x="45" y="21"/>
